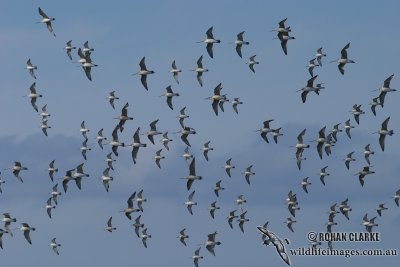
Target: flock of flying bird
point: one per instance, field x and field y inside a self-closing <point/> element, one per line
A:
<point x="324" y="142"/>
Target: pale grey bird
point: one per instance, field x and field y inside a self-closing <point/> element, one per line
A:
<point x="242" y="219"/>
<point x="182" y="116"/>
<point x="356" y="110"/>
<point x="111" y="98"/>
<point x="300" y="146"/>
<point x="130" y="209"/>
<point x="175" y="72"/>
<point x="143" y="72"/>
<point x="251" y="62"/>
<point x="137" y="225"/>
<point x="136" y="144"/>
<point x="109" y="226"/>
<point x="200" y="70"/>
<point x="86" y="49"/>
<point x="26" y="229"/>
<point x="384" y="89"/>
<point x="299" y="159"/>
<point x="311" y="65"/>
<point x="106" y="178"/>
<point x="310" y="88"/>
<point x="348" y="127"/>
<point x="66" y="178"/>
<point x="31" y="68"/>
<point x="367" y="153"/>
<point x="345" y="208"/>
<point x="49" y="207"/>
<point x="68" y="48"/>
<point x="210" y="40"/>
<point x="115" y="143"/>
<point x="7" y="220"/>
<point x="216" y="98"/>
<point x="364" y="172"/>
<point x="153" y="131"/>
<point x="187" y="155"/>
<point x="348" y="159"/>
<point x="144" y="236"/>
<point x="383" y="132"/>
<point x="375" y="102"/>
<point x="247" y="173"/>
<point x="213" y="208"/>
<point x="321" y="141"/>
<point x="196" y="257"/>
<point x="189" y="203"/>
<point x="140" y="200"/>
<point x="78" y="175"/>
<point x="322" y="174"/>
<point x="218" y="188"/>
<point x="84" y="130"/>
<point x="33" y="95"/>
<point x="55" y="194"/>
<point x="282" y="27"/>
<point x="368" y="223"/>
<point x="44" y="114"/>
<point x="230" y="218"/>
<point x="276" y="133"/>
<point x="335" y="131"/>
<point x="44" y="126"/>
<point x="329" y="143"/>
<point x="289" y="222"/>
<point x="86" y="63"/>
<point x="100" y="138"/>
<point x="265" y="130"/>
<point x="192" y="174"/>
<point x="54" y="246"/>
<point x="46" y="20"/>
<point x="239" y="201"/>
<point x="185" y="131"/>
<point x="304" y="183"/>
<point x="235" y="102"/>
<point x="123" y="117"/>
<point x="228" y="166"/>
<point x="380" y="208"/>
<point x="330" y="224"/>
<point x="343" y="60"/>
<point x="52" y="170"/>
<point x="206" y="148"/>
<point x="284" y="38"/>
<point x="110" y="161"/>
<point x="182" y="236"/>
<point x="319" y="55"/>
<point x="211" y="243"/>
<point x="239" y="42"/>
<point x="169" y="94"/>
<point x="16" y="168"/>
<point x="165" y="140"/>
<point x="84" y="148"/>
<point x="158" y="158"/>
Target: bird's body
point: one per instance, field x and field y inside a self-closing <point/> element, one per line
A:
<point x="209" y="41"/>
<point x="143" y="72"/>
<point x="192" y="174"/>
<point x="47" y="20"/>
<point x="251" y="62"/>
<point x="239" y="42"/>
<point x="343" y="60"/>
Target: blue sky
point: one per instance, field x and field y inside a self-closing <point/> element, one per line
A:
<point x="164" y="31"/>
